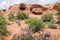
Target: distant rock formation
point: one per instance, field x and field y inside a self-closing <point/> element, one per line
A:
<point x="34" y="8"/>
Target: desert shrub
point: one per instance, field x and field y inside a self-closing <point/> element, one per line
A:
<point x="47" y="17"/>
<point x="46" y="35"/>
<point x="28" y="37"/>
<point x="52" y="21"/>
<point x="3" y="22"/>
<point x="11" y="17"/>
<point x="3" y="32"/>
<point x="23" y="37"/>
<point x="58" y="13"/>
<point x="21" y="16"/>
<point x="58" y="20"/>
<point x="52" y="26"/>
<point x="35" y="24"/>
<point x="15" y="37"/>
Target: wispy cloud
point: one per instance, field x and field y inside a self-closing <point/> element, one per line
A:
<point x="4" y="4"/>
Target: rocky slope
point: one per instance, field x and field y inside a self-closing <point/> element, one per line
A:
<point x="35" y="11"/>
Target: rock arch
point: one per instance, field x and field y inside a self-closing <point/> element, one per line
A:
<point x="37" y="9"/>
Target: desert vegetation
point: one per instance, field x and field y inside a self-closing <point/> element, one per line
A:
<point x="33" y="27"/>
<point x="23" y="37"/>
<point x="21" y="16"/>
<point x="49" y="20"/>
<point x="35" y="24"/>
<point x="52" y="26"/>
<point x="47" y="17"/>
<point x="58" y="14"/>
<point x="3" y="30"/>
<point x="11" y="16"/>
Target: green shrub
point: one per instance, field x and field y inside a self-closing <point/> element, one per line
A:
<point x="35" y="24"/>
<point x="3" y="32"/>
<point x="52" y="21"/>
<point x="28" y="37"/>
<point x="52" y="26"/>
<point x="21" y="16"/>
<point x="58" y="20"/>
<point x="47" y="17"/>
<point x="3" y="22"/>
<point x="11" y="17"/>
<point x="58" y="13"/>
<point x="23" y="37"/>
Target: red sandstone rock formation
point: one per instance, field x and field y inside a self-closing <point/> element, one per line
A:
<point x="15" y="29"/>
<point x="35" y="8"/>
<point x="14" y="8"/>
<point x="22" y="6"/>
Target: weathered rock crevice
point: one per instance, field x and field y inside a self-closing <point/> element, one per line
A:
<point x="22" y="6"/>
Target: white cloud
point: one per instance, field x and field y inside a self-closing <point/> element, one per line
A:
<point x="48" y="1"/>
<point x="4" y="4"/>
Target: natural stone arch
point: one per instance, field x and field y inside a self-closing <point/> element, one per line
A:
<point x="22" y="6"/>
<point x="37" y="9"/>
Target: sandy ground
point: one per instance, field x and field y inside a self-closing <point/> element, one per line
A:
<point x="15" y="29"/>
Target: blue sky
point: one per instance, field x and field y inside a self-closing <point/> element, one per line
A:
<point x="4" y="4"/>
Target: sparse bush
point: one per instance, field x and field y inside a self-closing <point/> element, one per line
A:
<point x="23" y="37"/>
<point x="28" y="37"/>
<point x="35" y="24"/>
<point x="21" y="16"/>
<point x="15" y="37"/>
<point x="3" y="22"/>
<point x="47" y="17"/>
<point x="46" y="35"/>
<point x="58" y="20"/>
<point x="52" y="21"/>
<point x="11" y="17"/>
<point x="52" y="26"/>
<point x="58" y="13"/>
<point x="3" y="32"/>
